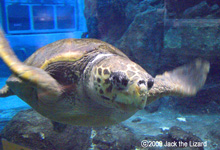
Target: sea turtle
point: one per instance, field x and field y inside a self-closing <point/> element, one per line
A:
<point x="89" y="82"/>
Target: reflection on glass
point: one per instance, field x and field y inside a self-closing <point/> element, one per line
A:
<point x="43" y="17"/>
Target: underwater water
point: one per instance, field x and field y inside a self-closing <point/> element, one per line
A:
<point x="159" y="35"/>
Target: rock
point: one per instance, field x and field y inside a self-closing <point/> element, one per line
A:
<point x="137" y="120"/>
<point x="120" y="137"/>
<point x="176" y="8"/>
<point x="179" y="134"/>
<point x="215" y="9"/>
<point x="91" y="19"/>
<point x="143" y="40"/>
<point x="213" y="135"/>
<point x="198" y="11"/>
<point x="213" y="2"/>
<point x="114" y="22"/>
<point x="174" y="136"/>
<point x="153" y="107"/>
<point x="187" y="39"/>
<point x="134" y="7"/>
<point x="114" y="137"/>
<point x="186" y="42"/>
<point x="1" y="148"/>
<point x="102" y="23"/>
<point x="30" y="129"/>
<point x="154" y="2"/>
<point x="192" y="9"/>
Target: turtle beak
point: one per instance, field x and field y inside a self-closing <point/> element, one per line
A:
<point x="134" y="98"/>
<point x="141" y="94"/>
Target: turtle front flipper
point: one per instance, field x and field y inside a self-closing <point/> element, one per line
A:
<point x="36" y="77"/>
<point x="183" y="81"/>
<point x="5" y="91"/>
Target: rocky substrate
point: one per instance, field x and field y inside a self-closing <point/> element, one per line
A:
<point x="30" y="129"/>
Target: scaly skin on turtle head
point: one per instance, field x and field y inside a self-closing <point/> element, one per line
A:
<point x="119" y="83"/>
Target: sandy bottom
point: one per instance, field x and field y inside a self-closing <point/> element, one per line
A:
<point x="155" y="123"/>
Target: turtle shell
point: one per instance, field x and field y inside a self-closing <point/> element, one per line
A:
<point x="70" y="50"/>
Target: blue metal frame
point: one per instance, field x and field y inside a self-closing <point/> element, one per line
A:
<point x="30" y="5"/>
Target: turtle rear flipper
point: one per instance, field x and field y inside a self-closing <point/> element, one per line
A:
<point x="35" y="77"/>
<point x="5" y="91"/>
<point x="183" y="81"/>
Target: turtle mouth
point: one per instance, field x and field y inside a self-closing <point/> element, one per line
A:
<point x="126" y="107"/>
<point x="142" y="104"/>
<point x="131" y="107"/>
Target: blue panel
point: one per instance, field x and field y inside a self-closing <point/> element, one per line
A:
<point x="65" y="17"/>
<point x="18" y="17"/>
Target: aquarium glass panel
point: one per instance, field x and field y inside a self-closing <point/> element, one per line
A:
<point x="65" y="17"/>
<point x="43" y="17"/>
<point x="18" y="17"/>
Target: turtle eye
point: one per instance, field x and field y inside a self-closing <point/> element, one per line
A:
<point x="141" y="82"/>
<point x="119" y="80"/>
<point x="150" y="83"/>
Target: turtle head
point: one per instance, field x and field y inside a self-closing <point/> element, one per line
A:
<point x="131" y="91"/>
<point x="122" y="84"/>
